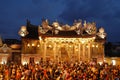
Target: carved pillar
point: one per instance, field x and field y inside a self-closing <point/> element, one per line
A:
<point x="89" y="54"/>
<point x="103" y="52"/>
<point x="83" y="51"/>
<point x="54" y="51"/>
<point x="73" y="52"/>
<point x="44" y="51"/>
<point x="79" y="51"/>
<point x="92" y="52"/>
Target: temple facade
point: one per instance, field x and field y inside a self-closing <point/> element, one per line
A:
<point x="58" y="42"/>
<point x="5" y="53"/>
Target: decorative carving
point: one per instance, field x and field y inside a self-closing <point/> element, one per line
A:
<point x="5" y="48"/>
<point x="42" y="30"/>
<point x="77" y="27"/>
<point x="66" y="27"/>
<point x="101" y="33"/>
<point x="90" y="28"/>
<point x="45" y="25"/>
<point x="56" y="27"/>
<point x="23" y="31"/>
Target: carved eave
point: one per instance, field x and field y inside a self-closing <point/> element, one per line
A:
<point x="78" y="30"/>
<point x="101" y="40"/>
<point x="33" y="31"/>
<point x="66" y="34"/>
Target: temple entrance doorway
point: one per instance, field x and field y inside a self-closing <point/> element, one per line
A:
<point x="66" y="52"/>
<point x="16" y="57"/>
<point x="31" y="60"/>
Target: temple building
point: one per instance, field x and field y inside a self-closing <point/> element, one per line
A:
<point x="62" y="42"/>
<point x="5" y="52"/>
<point x="10" y="51"/>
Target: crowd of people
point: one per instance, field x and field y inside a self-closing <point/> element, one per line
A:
<point x="50" y="70"/>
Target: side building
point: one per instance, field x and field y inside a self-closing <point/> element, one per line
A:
<point x="58" y="42"/>
<point x="10" y="51"/>
<point x="112" y="53"/>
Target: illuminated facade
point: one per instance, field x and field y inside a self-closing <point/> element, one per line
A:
<point x="10" y="51"/>
<point x="5" y="54"/>
<point x="81" y="41"/>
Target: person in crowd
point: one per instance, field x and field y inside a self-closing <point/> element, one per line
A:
<point x="60" y="71"/>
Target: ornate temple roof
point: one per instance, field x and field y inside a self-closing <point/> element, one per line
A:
<point x="78" y="29"/>
<point x="32" y="30"/>
<point x="1" y="43"/>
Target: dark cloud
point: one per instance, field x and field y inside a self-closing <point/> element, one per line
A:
<point x="85" y="9"/>
<point x="104" y="12"/>
<point x="14" y="13"/>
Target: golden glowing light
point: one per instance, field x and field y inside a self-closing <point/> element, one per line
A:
<point x="36" y="62"/>
<point x="24" y="62"/>
<point x="100" y="63"/>
<point x="40" y="38"/>
<point x="70" y="46"/>
<point x="4" y="60"/>
<point x="38" y="45"/>
<point x="93" y="45"/>
<point x="70" y="40"/>
<point x="28" y="45"/>
<point x="114" y="62"/>
<point x="87" y="46"/>
<point x="82" y="41"/>
<point x="96" y="46"/>
<point x="33" y="44"/>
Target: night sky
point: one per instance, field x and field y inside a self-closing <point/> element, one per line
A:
<point x="14" y="13"/>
